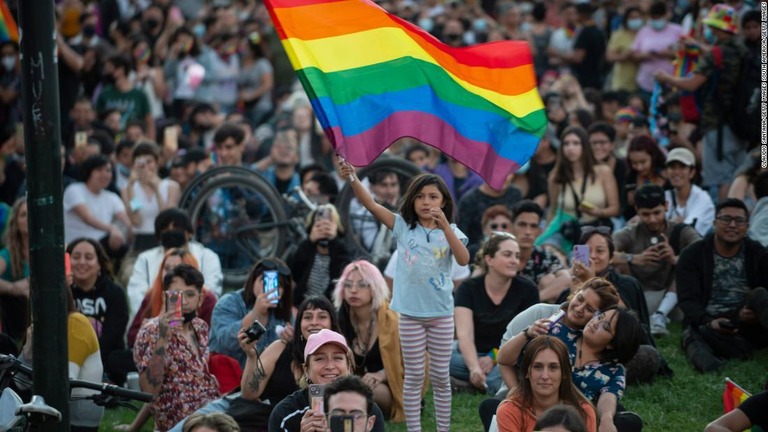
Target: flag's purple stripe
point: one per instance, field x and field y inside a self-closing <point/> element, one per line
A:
<point x="365" y="147"/>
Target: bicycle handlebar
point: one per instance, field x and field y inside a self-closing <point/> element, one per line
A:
<point x="111" y="390"/>
<point x="11" y="362"/>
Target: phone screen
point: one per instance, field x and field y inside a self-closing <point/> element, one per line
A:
<point x="316" y="392"/>
<point x="67" y="263"/>
<point x="271" y="286"/>
<point x="171" y="138"/>
<point x="81" y="139"/>
<point x="581" y="254"/>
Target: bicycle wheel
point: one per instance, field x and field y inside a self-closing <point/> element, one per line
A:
<point x="242" y="219"/>
<point x="194" y="187"/>
<point x="359" y="224"/>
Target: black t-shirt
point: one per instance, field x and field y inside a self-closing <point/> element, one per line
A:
<point x="286" y="417"/>
<point x="589" y="71"/>
<point x="474" y="203"/>
<point x="755" y="409"/>
<point x="491" y="320"/>
<point x="107" y="310"/>
<point x="281" y="383"/>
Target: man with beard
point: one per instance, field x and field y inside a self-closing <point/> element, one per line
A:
<point x="648" y="251"/>
<point x="279" y="168"/>
<point x="720" y="282"/>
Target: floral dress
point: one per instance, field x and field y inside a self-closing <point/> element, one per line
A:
<point x="187" y="383"/>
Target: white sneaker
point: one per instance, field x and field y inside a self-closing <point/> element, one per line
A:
<point x="659" y="324"/>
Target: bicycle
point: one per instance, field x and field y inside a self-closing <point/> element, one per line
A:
<point x="15" y="415"/>
<point x="238" y="214"/>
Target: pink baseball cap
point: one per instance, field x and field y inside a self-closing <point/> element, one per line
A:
<point x="324" y="336"/>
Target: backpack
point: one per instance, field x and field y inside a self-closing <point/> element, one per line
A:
<point x="744" y="112"/>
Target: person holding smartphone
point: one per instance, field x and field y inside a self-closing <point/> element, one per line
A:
<point x="348" y="403"/>
<point x="321" y="257"/>
<point x="256" y="301"/>
<point x="171" y="355"/>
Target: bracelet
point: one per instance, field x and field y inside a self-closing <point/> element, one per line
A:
<point x="527" y="336"/>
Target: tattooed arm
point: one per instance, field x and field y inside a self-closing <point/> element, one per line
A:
<point x="151" y="378"/>
<point x="255" y="378"/>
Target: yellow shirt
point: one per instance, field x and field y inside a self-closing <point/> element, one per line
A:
<point x="624" y="72"/>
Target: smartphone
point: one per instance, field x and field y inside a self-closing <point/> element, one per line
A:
<point x="342" y="423"/>
<point x="67" y="263"/>
<point x="271" y="286"/>
<point x="173" y="303"/>
<point x="81" y="139"/>
<point x="588" y="204"/>
<point x="557" y="316"/>
<point x="316" y="392"/>
<point x="171" y="138"/>
<point x="581" y="254"/>
<point x="324" y="213"/>
<point x="655" y="240"/>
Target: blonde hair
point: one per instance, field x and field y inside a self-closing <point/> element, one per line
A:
<point x="14" y="240"/>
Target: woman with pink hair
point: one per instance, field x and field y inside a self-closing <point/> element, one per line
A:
<point x="371" y="329"/>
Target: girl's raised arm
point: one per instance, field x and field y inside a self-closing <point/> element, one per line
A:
<point x="380" y="212"/>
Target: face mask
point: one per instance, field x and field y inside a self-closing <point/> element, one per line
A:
<point x="89" y="31"/>
<point x="173" y="238"/>
<point x="426" y="24"/>
<point x="658" y="24"/>
<point x="635" y="24"/>
<point x="189" y="316"/>
<point x="108" y="79"/>
<point x="151" y="23"/>
<point x="525" y="27"/>
<point x="709" y="36"/>
<point x="199" y="30"/>
<point x="9" y="62"/>
<point x="480" y="25"/>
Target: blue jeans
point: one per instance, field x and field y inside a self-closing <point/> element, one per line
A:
<point x="460" y="371"/>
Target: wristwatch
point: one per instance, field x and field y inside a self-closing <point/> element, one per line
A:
<point x="629" y="257"/>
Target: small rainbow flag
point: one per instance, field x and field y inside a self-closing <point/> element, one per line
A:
<point x="733" y="395"/>
<point x="8" y="29"/>
<point x="373" y="78"/>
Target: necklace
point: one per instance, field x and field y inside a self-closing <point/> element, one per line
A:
<point x="427" y="233"/>
<point x="360" y="346"/>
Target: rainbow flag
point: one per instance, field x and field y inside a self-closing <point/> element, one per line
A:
<point x="733" y="395"/>
<point x="373" y="78"/>
<point x="8" y="29"/>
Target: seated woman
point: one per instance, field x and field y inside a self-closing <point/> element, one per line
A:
<point x="271" y="376"/>
<point x="238" y="310"/>
<point x="595" y="294"/>
<point x="98" y="298"/>
<point x="326" y="358"/>
<point x="546" y="382"/>
<point x="644" y="367"/>
<point x="371" y="328"/>
<point x="14" y="274"/>
<point x="610" y="338"/>
<point x="483" y="306"/>
<point x="84" y="364"/>
<point x="319" y="259"/>
<point x="152" y="304"/>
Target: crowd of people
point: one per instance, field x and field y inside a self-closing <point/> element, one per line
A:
<point x="645" y="202"/>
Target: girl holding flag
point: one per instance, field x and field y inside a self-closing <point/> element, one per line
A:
<point x="423" y="290"/>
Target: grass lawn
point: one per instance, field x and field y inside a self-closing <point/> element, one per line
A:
<point x="685" y="403"/>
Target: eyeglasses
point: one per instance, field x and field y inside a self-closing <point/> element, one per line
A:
<point x="503" y="225"/>
<point x="268" y="264"/>
<point x="603" y="324"/>
<point x="600" y="229"/>
<point x="726" y="220"/>
<point x="361" y="285"/>
<point x="188" y="294"/>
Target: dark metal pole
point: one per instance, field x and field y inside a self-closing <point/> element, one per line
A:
<point x="42" y="138"/>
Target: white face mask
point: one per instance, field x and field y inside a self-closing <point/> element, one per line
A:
<point x="9" y="62"/>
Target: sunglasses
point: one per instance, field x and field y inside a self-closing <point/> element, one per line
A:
<point x="590" y="229"/>
<point x="503" y="234"/>
<point x="274" y="265"/>
<point x="496" y="226"/>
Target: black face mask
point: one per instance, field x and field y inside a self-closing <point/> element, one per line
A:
<point x="151" y="24"/>
<point x="108" y="79"/>
<point x="89" y="31"/>
<point x="173" y="238"/>
<point x="189" y="316"/>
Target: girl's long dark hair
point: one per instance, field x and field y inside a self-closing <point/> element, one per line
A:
<point x="563" y="171"/>
<point x="414" y="188"/>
